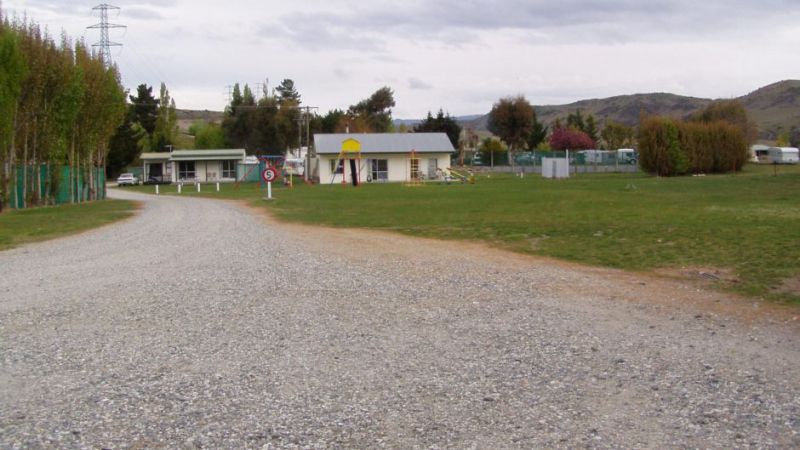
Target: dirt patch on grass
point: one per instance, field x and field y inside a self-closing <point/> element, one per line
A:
<point x="708" y="276"/>
<point x="789" y="286"/>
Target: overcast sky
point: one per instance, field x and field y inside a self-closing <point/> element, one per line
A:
<point x="458" y="55"/>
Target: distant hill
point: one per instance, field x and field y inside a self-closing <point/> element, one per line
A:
<point x="414" y="122"/>
<point x="774" y="108"/>
<point x="186" y="117"/>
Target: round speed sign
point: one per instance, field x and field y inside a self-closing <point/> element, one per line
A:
<point x="269" y="174"/>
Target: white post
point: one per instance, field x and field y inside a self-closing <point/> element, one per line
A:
<point x="198" y="187"/>
<point x="269" y="190"/>
<point x="217" y="186"/>
<point x="179" y="187"/>
<point x="156" y="189"/>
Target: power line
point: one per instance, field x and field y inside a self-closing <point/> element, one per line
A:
<point x="105" y="43"/>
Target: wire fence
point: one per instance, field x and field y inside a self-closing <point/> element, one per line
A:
<point x="584" y="161"/>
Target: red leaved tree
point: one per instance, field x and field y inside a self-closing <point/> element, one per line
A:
<point x="566" y="138"/>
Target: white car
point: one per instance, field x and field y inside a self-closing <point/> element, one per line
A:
<point x="127" y="179"/>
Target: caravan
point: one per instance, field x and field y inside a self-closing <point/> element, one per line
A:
<point x="783" y="155"/>
<point x="627" y="156"/>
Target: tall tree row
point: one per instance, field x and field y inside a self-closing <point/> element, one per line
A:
<point x="59" y="106"/>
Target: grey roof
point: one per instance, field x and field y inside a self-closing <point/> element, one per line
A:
<point x="385" y="142"/>
<point x="155" y="156"/>
<point x="195" y="155"/>
<point x="207" y="155"/>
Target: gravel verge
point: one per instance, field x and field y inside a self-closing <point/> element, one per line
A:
<point x="200" y="324"/>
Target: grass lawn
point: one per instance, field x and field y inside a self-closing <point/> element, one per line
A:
<point x="748" y="223"/>
<point x="39" y="224"/>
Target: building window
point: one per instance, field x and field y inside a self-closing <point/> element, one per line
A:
<point x="186" y="170"/>
<point x="229" y="169"/>
<point x="379" y="169"/>
<point x="334" y="168"/>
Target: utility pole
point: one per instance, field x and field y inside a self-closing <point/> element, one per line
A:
<point x="105" y="43"/>
<point x="305" y="117"/>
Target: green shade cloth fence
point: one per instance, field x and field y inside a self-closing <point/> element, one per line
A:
<point x="56" y="181"/>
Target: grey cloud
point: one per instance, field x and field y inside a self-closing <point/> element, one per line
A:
<point x="321" y="32"/>
<point x="417" y="84"/>
<point x="143" y="13"/>
<point x="453" y="22"/>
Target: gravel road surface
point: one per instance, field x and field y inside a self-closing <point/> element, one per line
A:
<point x="203" y="324"/>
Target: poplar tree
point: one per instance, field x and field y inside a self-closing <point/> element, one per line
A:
<point x="12" y="73"/>
<point x="59" y="105"/>
<point x="167" y="121"/>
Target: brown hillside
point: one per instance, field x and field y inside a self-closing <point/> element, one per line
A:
<point x="186" y="117"/>
<point x="774" y="108"/>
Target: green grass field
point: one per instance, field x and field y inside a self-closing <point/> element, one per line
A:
<point x="747" y="224"/>
<point x="39" y="224"/>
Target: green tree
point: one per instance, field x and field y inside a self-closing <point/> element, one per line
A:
<point x="209" y="136"/>
<point x="248" y="99"/>
<point x="538" y="134"/>
<point x="236" y="98"/>
<point x="575" y="120"/>
<point x="331" y="122"/>
<point x="144" y="108"/>
<point x="732" y="112"/>
<point x="124" y="147"/>
<point x="512" y="119"/>
<point x="373" y="114"/>
<point x="13" y="71"/>
<point x="494" y="151"/>
<point x="288" y="92"/>
<point x="580" y="122"/>
<point x="166" y="129"/>
<point x="591" y="128"/>
<point x="441" y="123"/>
<point x="616" y="135"/>
<point x="64" y="108"/>
<point x="783" y="139"/>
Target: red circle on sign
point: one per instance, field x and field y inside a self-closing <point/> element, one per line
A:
<point x="269" y="174"/>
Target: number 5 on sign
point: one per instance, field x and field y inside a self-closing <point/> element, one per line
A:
<point x="269" y="174"/>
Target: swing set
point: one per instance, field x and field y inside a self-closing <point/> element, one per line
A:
<point x="351" y="152"/>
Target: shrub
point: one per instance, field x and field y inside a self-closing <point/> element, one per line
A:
<point x="668" y="147"/>
<point x="660" y="150"/>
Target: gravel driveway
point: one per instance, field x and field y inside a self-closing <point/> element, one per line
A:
<point x="201" y="323"/>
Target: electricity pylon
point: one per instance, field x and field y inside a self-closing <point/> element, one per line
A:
<point x="105" y="43"/>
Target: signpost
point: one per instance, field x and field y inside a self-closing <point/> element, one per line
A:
<point x="269" y="174"/>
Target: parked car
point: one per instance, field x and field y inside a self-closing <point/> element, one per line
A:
<point x="127" y="179"/>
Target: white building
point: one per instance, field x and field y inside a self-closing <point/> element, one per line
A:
<point x="381" y="157"/>
<point x="192" y="166"/>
